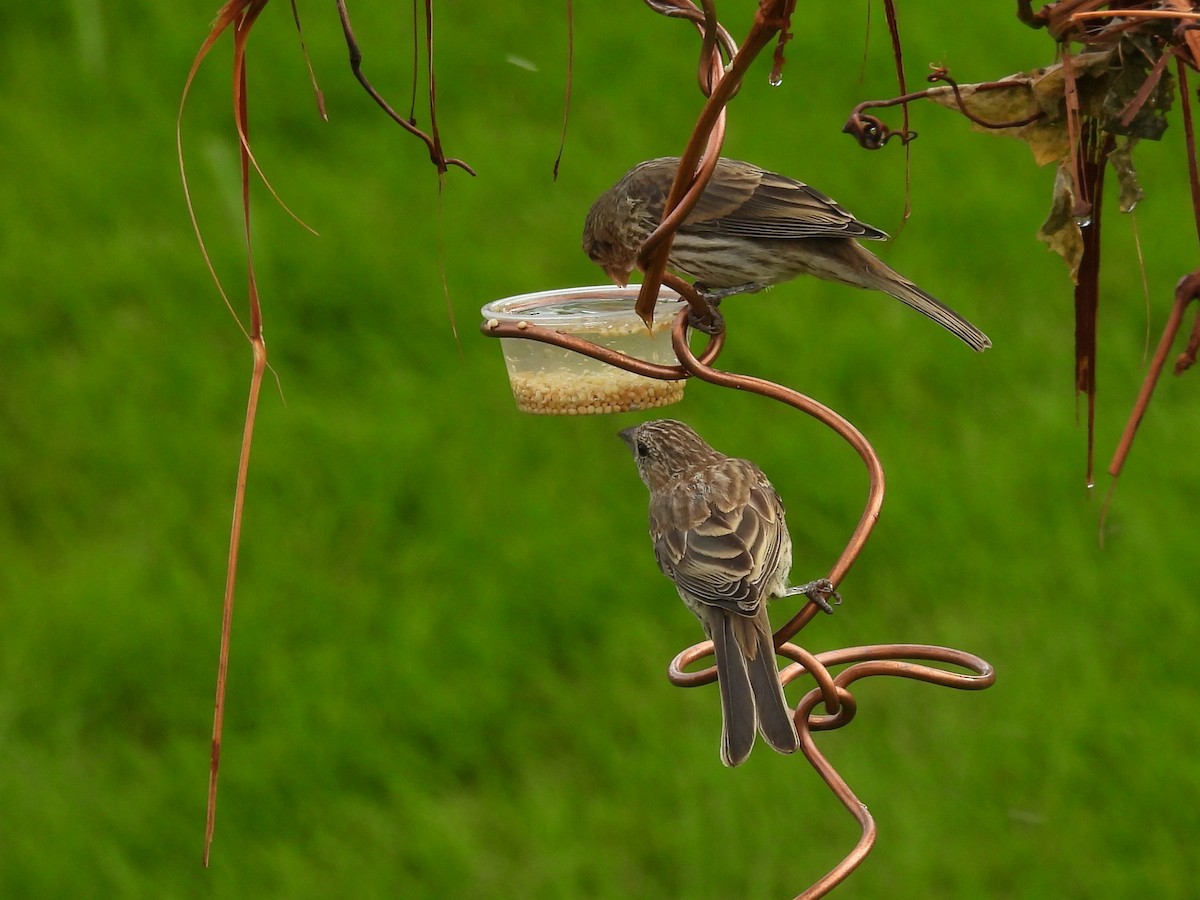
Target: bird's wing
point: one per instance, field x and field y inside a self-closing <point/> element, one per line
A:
<point x="746" y="201"/>
<point x="719" y="534"/>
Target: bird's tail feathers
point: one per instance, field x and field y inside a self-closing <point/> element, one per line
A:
<point x="737" y="696"/>
<point x="774" y="716"/>
<point x="911" y="295"/>
<point x="858" y="265"/>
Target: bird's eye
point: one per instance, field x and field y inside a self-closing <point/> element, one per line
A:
<point x="643" y="449"/>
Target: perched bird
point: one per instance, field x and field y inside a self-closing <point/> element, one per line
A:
<point x="750" y="229"/>
<point x="719" y="533"/>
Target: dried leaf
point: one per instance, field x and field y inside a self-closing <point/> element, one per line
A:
<point x="1107" y="82"/>
<point x="1048" y="141"/>
<point x="1122" y="163"/>
<point x="1090" y="70"/>
<point x="1047" y="137"/>
<point x="1060" y="232"/>
<point x="1150" y="120"/>
<point x="1004" y="104"/>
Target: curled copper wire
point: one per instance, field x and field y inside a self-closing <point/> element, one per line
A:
<point x="699" y="158"/>
<point x="831" y="692"/>
<point x="695" y="169"/>
<point x="884" y="659"/>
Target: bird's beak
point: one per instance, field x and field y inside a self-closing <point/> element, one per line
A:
<point x="618" y="276"/>
<point x="627" y="436"/>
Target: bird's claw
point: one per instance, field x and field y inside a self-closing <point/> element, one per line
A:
<point x="711" y="322"/>
<point x="818" y="592"/>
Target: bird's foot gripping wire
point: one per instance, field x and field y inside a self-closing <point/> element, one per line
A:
<point x="818" y="592"/>
<point x="710" y="322"/>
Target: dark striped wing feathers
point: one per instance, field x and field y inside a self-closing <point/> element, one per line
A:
<point x="718" y="533"/>
<point x="745" y="201"/>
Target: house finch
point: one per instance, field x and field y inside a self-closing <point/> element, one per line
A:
<point x="719" y="533"/>
<point x="751" y="229"/>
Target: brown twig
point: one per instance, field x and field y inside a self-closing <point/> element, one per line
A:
<point x="1080" y="20"/>
<point x="562" y="135"/>
<point x="893" y="23"/>
<point x="778" y="60"/>
<point x="312" y="76"/>
<point x="872" y="133"/>
<point x="240" y="16"/>
<point x="1187" y="34"/>
<point x="432" y="140"/>
<point x="1093" y="156"/>
<point x="1189" y="136"/>
<point x="1135" y="104"/>
<point x="1187" y="291"/>
<point x="1133" y="14"/>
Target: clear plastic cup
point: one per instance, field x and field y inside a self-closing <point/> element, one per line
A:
<point x="550" y="380"/>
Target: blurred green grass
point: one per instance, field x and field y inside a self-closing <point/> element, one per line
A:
<point x="447" y="669"/>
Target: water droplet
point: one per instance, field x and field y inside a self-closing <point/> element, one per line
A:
<point x="1129" y="205"/>
<point x="1091" y="485"/>
<point x="775" y="79"/>
<point x="1083" y="221"/>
